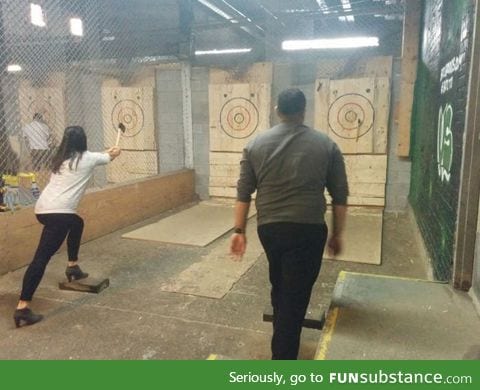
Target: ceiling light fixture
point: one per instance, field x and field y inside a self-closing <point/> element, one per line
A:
<point x="222" y="51"/>
<point x="76" y="27"/>
<point x="347" y="7"/>
<point x="332" y="43"/>
<point x="323" y="6"/>
<point x="36" y="15"/>
<point x="14" y="68"/>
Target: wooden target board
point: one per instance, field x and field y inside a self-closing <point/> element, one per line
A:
<point x="354" y="113"/>
<point x="49" y="102"/>
<point x="238" y="112"/>
<point x="134" y="107"/>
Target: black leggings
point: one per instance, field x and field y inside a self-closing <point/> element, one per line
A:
<point x="56" y="228"/>
<point x="294" y="253"/>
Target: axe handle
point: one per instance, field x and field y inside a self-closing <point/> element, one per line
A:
<point x="118" y="137"/>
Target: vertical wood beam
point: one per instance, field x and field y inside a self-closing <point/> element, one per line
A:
<point x="411" y="38"/>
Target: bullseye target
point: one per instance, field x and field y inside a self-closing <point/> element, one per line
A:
<point x="239" y="118"/>
<point x="43" y="107"/>
<point x="131" y="114"/>
<point x="351" y="116"/>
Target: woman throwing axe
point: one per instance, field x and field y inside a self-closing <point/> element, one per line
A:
<point x="72" y="167"/>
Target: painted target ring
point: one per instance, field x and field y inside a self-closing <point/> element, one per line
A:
<point x="130" y="113"/>
<point x="45" y="108"/>
<point x="351" y="116"/>
<point x="239" y="118"/>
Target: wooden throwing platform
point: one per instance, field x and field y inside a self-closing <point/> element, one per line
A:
<point x="90" y="285"/>
<point x="311" y="320"/>
<point x="379" y="317"/>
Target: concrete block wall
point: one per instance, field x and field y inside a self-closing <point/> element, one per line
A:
<point x="398" y="171"/>
<point x="201" y="134"/>
<point x="169" y="120"/>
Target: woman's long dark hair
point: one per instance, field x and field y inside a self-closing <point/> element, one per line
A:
<point x="74" y="143"/>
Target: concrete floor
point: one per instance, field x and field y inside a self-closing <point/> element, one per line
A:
<point x="133" y="319"/>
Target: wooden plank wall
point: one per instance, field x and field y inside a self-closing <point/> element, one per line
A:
<point x="48" y="101"/>
<point x="365" y="151"/>
<point x="104" y="211"/>
<point x="135" y="108"/>
<point x="239" y="109"/>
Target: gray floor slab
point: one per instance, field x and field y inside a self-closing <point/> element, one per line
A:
<point x="383" y="317"/>
<point x="134" y="319"/>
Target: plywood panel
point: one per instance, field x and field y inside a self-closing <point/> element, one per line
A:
<point x="404" y="117"/>
<point x="259" y="73"/>
<point x="362" y="237"/>
<point x="366" y="168"/>
<point x="240" y="103"/>
<point x="134" y="107"/>
<point x="238" y="112"/>
<point x="225" y="170"/>
<point x="225" y="158"/>
<point x="132" y="165"/>
<point x="367" y="175"/>
<point x="366" y="202"/>
<point x="357" y="114"/>
<point x="322" y="103"/>
<point x="50" y="102"/>
<point x="382" y="110"/>
<point x="188" y="226"/>
<point x="223" y="192"/>
<point x="351" y="114"/>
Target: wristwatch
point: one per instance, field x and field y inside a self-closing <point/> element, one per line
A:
<point x="239" y="230"/>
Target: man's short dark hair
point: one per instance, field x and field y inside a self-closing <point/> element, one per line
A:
<point x="291" y="101"/>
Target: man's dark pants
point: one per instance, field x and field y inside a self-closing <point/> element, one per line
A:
<point x="294" y="253"/>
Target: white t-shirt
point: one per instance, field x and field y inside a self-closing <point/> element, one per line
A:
<point x="65" y="189"/>
<point x="37" y="134"/>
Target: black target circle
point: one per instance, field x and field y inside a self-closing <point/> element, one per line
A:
<point x="239" y="118"/>
<point x="45" y="108"/>
<point x="130" y="113"/>
<point x="351" y="116"/>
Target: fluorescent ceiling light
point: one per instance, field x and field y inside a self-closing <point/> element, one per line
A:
<point x="36" y="15"/>
<point x="215" y="9"/>
<point x="76" y="27"/>
<point x="323" y="6"/>
<point x="14" y="68"/>
<point x="222" y="51"/>
<point x="347" y="7"/>
<point x="348" y="18"/>
<point x="333" y="43"/>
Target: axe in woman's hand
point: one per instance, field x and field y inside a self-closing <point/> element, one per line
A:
<point x="120" y="129"/>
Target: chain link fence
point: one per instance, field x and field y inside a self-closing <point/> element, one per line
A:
<point x="89" y="63"/>
<point x="60" y="67"/>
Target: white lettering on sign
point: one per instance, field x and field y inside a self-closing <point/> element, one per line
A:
<point x="452" y="66"/>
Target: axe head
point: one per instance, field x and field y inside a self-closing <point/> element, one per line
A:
<point x="121" y="127"/>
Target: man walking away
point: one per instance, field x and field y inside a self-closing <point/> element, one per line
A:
<point x="289" y="166"/>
